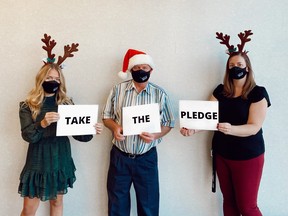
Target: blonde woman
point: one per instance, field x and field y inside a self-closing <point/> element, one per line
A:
<point x="49" y="169"/>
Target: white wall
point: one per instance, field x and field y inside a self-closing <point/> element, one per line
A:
<point x="180" y="36"/>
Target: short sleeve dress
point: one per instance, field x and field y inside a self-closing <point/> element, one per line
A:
<point x="49" y="169"/>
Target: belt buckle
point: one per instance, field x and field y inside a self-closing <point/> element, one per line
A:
<point x="132" y="156"/>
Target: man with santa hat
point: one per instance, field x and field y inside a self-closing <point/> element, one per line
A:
<point x="133" y="159"/>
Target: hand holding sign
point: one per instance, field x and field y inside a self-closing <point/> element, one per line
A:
<point x="147" y="137"/>
<point x="225" y="128"/>
<point x="99" y="128"/>
<point x="49" y="118"/>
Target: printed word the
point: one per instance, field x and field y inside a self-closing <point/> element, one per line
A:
<point x="141" y="119"/>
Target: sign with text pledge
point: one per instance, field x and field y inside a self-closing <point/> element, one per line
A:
<point x="77" y="120"/>
<point x="141" y="118"/>
<point x="201" y="115"/>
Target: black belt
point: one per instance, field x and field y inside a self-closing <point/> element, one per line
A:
<point x="130" y="155"/>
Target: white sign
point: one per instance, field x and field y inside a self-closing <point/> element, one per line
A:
<point x="141" y="118"/>
<point x="201" y="115"/>
<point x="77" y="120"/>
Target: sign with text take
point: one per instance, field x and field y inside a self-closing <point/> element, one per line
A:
<point x="77" y="120"/>
<point x="141" y="118"/>
<point x="201" y="115"/>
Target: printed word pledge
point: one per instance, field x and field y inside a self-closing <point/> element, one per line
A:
<point x="199" y="115"/>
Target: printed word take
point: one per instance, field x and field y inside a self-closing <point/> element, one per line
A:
<point x="78" y="120"/>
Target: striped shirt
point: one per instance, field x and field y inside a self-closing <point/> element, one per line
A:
<point x="124" y="94"/>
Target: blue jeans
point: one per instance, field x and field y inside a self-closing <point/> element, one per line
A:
<point x="142" y="171"/>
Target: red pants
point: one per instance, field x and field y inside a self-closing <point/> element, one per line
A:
<point x="239" y="182"/>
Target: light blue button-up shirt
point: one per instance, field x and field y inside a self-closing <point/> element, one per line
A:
<point x="125" y="94"/>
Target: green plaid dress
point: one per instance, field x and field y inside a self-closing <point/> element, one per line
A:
<point x="49" y="169"/>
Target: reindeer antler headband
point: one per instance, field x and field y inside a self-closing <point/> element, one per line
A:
<point x="50" y="44"/>
<point x="244" y="37"/>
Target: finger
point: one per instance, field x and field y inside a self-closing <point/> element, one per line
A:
<point x="119" y="138"/>
<point x="142" y="136"/>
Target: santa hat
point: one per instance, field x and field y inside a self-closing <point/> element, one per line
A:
<point x="132" y="58"/>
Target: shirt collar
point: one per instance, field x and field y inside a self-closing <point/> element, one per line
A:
<point x="131" y="86"/>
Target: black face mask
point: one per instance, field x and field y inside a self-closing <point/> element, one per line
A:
<point x="140" y="76"/>
<point x="237" y="72"/>
<point x="50" y="86"/>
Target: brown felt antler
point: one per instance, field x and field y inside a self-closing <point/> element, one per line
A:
<point x="67" y="52"/>
<point x="225" y="40"/>
<point x="244" y="38"/>
<point x="49" y="46"/>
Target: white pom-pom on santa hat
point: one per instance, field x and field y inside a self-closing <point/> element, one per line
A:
<point x="122" y="75"/>
<point x="132" y="58"/>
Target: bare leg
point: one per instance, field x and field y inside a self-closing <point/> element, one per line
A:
<point x="30" y="206"/>
<point x="56" y="206"/>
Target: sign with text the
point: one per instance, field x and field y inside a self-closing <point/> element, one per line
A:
<point x="77" y="120"/>
<point x="141" y="118"/>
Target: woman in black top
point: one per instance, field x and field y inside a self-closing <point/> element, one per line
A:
<point x="238" y="145"/>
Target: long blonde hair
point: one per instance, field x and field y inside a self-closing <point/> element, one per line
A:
<point x="36" y="96"/>
<point x="228" y="82"/>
